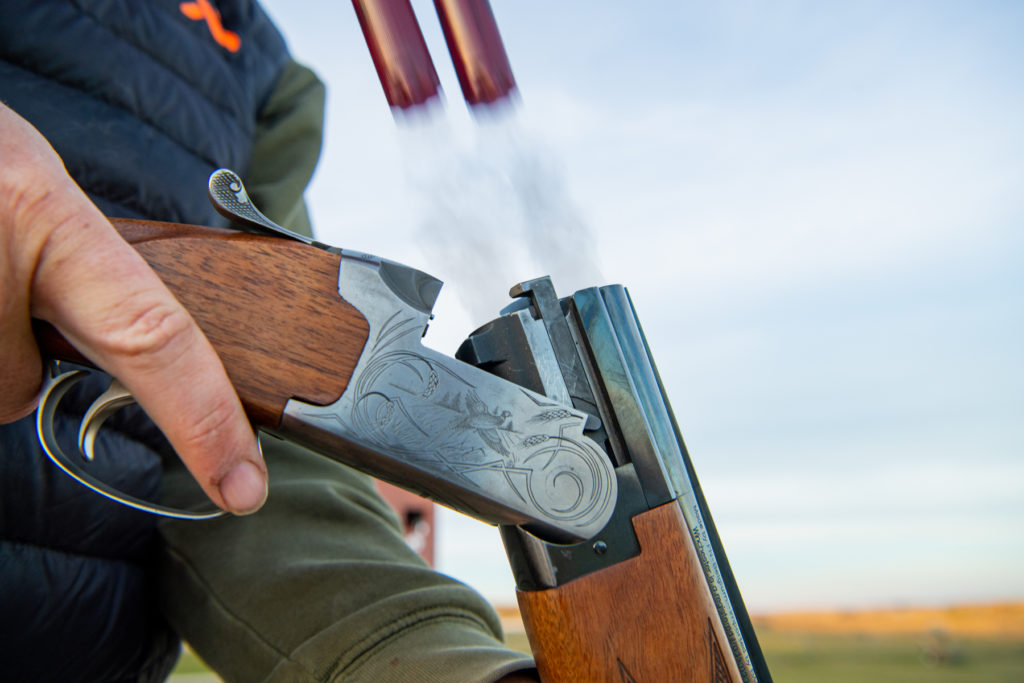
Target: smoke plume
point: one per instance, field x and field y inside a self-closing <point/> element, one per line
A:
<point x="494" y="211"/>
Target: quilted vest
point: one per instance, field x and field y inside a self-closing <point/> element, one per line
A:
<point x="142" y="100"/>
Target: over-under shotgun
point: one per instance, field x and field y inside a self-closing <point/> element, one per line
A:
<point x="551" y="422"/>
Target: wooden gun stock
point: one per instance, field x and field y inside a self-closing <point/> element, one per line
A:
<point x="269" y="306"/>
<point x="649" y="618"/>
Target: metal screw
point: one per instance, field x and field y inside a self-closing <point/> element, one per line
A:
<point x="600" y="547"/>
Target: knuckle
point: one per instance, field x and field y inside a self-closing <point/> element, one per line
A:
<point x="158" y="329"/>
<point x="46" y="204"/>
<point x="206" y="433"/>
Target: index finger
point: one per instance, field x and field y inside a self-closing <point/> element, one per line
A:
<point x="104" y="298"/>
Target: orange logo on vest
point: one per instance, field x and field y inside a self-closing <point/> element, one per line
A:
<point x="202" y="9"/>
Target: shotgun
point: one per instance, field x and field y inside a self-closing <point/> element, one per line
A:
<point x="551" y="422"/>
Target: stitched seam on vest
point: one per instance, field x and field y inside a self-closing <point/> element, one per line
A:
<point x="151" y="125"/>
<point x="132" y="201"/>
<point x="184" y="144"/>
<point x="96" y="187"/>
<point x="42" y="547"/>
<point x="257" y="37"/>
<point x="260" y="38"/>
<point x="265" y="39"/>
<point x="129" y="39"/>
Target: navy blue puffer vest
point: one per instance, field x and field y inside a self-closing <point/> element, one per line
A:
<point x="142" y="100"/>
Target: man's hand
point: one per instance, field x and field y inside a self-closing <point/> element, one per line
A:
<point x="61" y="261"/>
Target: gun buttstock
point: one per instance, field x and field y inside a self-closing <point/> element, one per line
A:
<point x="649" y="618"/>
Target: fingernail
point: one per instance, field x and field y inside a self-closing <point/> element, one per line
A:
<point x="244" y="489"/>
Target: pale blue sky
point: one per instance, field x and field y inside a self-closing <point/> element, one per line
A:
<point x="818" y="209"/>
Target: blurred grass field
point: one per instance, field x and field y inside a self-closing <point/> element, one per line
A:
<point x="889" y="658"/>
<point x="972" y="644"/>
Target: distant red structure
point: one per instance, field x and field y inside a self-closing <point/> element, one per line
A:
<point x="417" y="517"/>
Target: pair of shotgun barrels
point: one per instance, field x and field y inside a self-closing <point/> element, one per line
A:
<point x="550" y="422"/>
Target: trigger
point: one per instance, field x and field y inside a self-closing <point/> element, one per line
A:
<point x="108" y="403"/>
<point x="55" y="386"/>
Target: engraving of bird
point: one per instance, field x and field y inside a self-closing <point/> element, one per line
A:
<point x="487" y="424"/>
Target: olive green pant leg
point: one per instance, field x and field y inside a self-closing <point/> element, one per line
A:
<point x="320" y="586"/>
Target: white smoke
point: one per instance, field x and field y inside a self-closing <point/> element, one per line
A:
<point x="494" y="211"/>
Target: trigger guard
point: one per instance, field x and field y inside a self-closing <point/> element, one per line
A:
<point x="54" y="389"/>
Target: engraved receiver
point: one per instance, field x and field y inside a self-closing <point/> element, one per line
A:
<point x="651" y="597"/>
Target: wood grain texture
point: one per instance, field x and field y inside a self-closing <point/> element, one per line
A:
<point x="269" y="306"/>
<point x="649" y="619"/>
